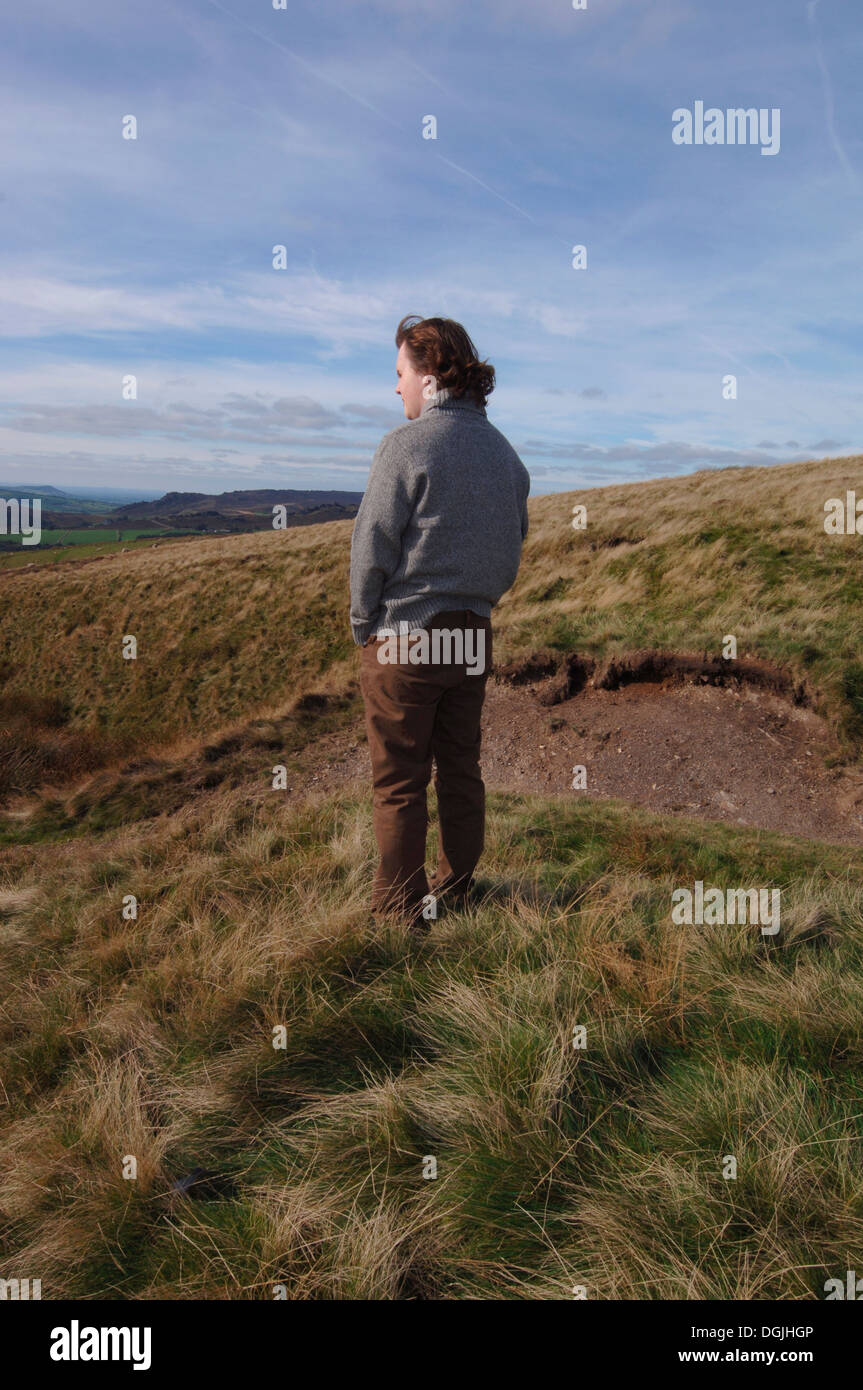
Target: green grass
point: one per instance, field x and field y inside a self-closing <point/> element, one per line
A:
<point x="152" y="1036"/>
<point x="82" y="543"/>
<point x="95" y="535"/>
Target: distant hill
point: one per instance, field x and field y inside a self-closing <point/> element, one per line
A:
<point x="259" y="500"/>
<point x="246" y="509"/>
<point x="202" y="512"/>
<point x="68" y="509"/>
<point x="30" y="490"/>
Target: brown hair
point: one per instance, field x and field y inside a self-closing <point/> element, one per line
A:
<point x="442" y="348"/>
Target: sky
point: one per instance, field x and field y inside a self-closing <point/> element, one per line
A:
<point x="303" y="127"/>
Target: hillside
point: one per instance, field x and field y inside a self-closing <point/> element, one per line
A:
<point x="242" y="626"/>
<point x="148" y="1033"/>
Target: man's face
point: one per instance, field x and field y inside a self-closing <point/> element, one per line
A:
<point x="411" y="384"/>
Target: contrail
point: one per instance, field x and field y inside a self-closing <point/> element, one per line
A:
<point x="467" y="173"/>
<point x="430" y="77"/>
<point x="828" y="96"/>
<point x="322" y="77"/>
<point x="757" y="376"/>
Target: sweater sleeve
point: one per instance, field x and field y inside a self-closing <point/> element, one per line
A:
<point x="376" y="541"/>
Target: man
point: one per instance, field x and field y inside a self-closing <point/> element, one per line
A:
<point x="436" y="542"/>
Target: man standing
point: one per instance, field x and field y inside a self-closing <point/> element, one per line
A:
<point x="436" y="542"/>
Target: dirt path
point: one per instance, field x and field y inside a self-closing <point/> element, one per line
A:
<point x="746" y="756"/>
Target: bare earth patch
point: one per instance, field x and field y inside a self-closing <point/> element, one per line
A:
<point x="738" y="752"/>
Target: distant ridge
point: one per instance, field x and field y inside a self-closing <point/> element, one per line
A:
<point x="298" y="499"/>
<point x="78" y="519"/>
<point x="20" y="489"/>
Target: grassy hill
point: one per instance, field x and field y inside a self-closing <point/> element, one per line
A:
<point x="150" y="1036"/>
<point x="243" y="625"/>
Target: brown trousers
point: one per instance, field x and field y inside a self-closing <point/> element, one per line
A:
<point x="416" y="713"/>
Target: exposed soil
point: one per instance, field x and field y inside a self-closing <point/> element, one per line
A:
<point x="672" y="732"/>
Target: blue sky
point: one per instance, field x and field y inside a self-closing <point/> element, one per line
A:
<point x="303" y="127"/>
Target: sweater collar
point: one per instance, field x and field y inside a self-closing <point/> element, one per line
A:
<point x="445" y="400"/>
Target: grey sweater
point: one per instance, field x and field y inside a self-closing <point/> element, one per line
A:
<point x="441" y="522"/>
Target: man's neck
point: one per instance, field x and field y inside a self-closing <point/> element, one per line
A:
<point x="449" y="400"/>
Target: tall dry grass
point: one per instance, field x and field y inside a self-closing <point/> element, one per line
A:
<point x="556" y="1167"/>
